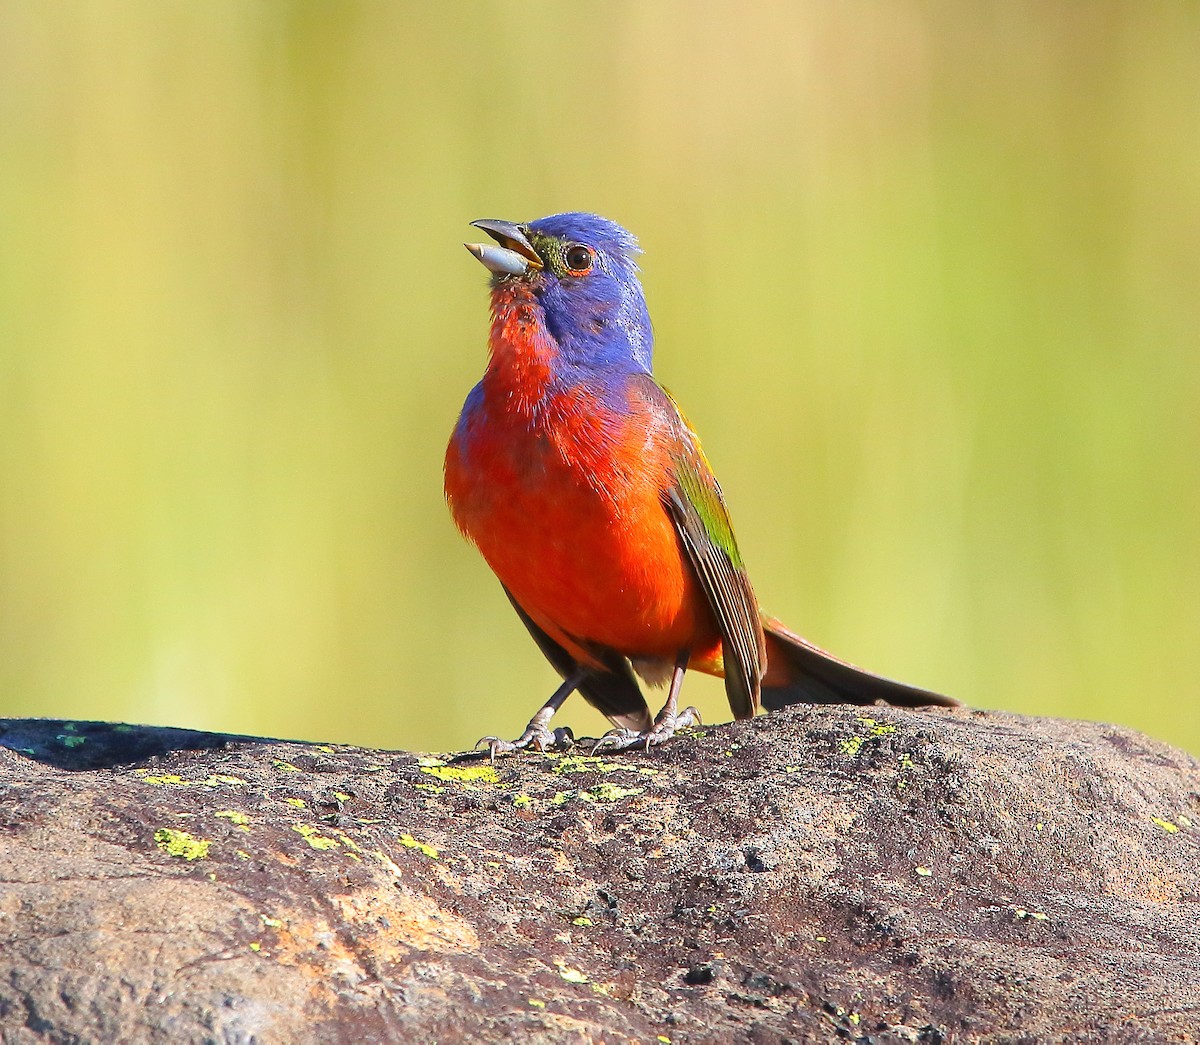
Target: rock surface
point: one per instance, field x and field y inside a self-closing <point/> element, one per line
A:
<point x="819" y="874"/>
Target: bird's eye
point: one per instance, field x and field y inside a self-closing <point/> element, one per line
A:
<point x="578" y="259"/>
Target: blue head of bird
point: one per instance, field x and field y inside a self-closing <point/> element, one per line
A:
<point x="581" y="270"/>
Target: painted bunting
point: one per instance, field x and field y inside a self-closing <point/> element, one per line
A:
<point x="586" y="490"/>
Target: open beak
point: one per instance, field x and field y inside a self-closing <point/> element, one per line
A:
<point x="515" y="254"/>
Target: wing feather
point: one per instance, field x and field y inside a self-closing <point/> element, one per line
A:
<point x="698" y="511"/>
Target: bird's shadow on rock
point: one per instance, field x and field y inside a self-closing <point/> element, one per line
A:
<point x="79" y="746"/>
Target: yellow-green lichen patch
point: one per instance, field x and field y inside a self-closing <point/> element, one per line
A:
<point x="181" y="844"/>
<point x="271" y="923"/>
<point x="166" y="780"/>
<point x="342" y="797"/>
<point x="464" y="774"/>
<point x="433" y="789"/>
<point x="537" y="1003"/>
<point x="906" y="763"/>
<point x="588" y="764"/>
<point x="284" y="766"/>
<point x="256" y="946"/>
<point x="568" y="973"/>
<point x="412" y="843"/>
<point x="922" y="872"/>
<point x="326" y="749"/>
<point x="583" y="919"/>
<point x="296" y="803"/>
<point x="561" y="798"/>
<point x="606" y="792"/>
<point x="122" y="728"/>
<point x="70" y="741"/>
<point x="239" y="820"/>
<point x="522" y="801"/>
<point x="1019" y="913"/>
<point x="877" y="728"/>
<point x="175" y="780"/>
<point x="348" y="842"/>
<point x="1166" y="825"/>
<point x="314" y="837"/>
<point x="851" y="745"/>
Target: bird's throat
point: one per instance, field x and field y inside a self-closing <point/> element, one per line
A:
<point x="521" y="351"/>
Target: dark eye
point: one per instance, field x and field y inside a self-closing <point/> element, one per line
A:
<point x="578" y="258"/>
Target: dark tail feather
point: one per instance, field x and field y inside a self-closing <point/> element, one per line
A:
<point x="800" y="673"/>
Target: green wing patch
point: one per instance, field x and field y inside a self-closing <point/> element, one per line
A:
<point x="698" y="511"/>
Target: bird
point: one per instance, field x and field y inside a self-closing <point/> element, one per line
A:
<point x="587" y="492"/>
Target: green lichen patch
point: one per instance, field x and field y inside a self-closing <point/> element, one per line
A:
<point x="285" y="766"/>
<point x="588" y="764"/>
<point x="877" y="728"/>
<point x="1166" y="825"/>
<point x="922" y="872"/>
<point x="166" y="780"/>
<point x="175" y="780"/>
<point x="607" y="792"/>
<point x="409" y="842"/>
<point x="70" y="741"/>
<point x="271" y="923"/>
<point x="464" y="774"/>
<point x="522" y="801"/>
<point x="239" y="820"/>
<point x="433" y="789"/>
<point x="296" y="803"/>
<point x="583" y="919"/>
<point x="348" y="842"/>
<point x="181" y="844"/>
<point x="314" y="837"/>
<point x="851" y="745"/>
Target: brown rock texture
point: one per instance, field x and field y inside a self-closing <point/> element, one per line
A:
<point x="819" y="874"/>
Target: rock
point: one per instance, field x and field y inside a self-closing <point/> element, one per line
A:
<point x="818" y="874"/>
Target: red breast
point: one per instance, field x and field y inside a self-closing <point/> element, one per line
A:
<point x="562" y="494"/>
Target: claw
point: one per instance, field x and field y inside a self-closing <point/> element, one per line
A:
<point x="537" y="737"/>
<point x="662" y="731"/>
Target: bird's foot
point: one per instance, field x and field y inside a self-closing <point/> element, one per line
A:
<point x="536" y="736"/>
<point x="664" y="729"/>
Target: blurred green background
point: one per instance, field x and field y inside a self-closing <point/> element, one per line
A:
<point x="926" y="277"/>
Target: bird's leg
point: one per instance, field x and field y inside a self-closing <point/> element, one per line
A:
<point x="665" y="723"/>
<point x="538" y="734"/>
